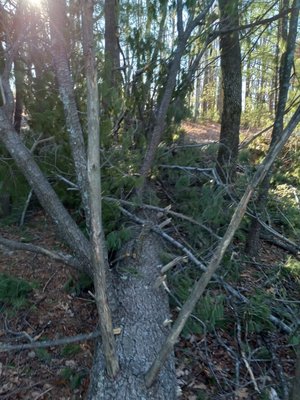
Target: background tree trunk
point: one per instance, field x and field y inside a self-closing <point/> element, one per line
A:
<point x="112" y="53"/>
<point x="232" y="90"/>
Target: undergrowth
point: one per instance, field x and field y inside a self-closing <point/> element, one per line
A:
<point x="14" y="292"/>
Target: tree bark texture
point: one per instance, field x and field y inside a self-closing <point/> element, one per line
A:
<point x="140" y="311"/>
<point x="19" y="82"/>
<point x="232" y="90"/>
<point x="99" y="253"/>
<point x="57" y="14"/>
<point x="112" y="53"/>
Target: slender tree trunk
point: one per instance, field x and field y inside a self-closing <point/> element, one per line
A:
<point x="197" y="98"/>
<point x="232" y="88"/>
<point x="112" y="75"/>
<point x="57" y="13"/>
<point x="19" y="83"/>
<point x="252" y="244"/>
<point x="99" y="253"/>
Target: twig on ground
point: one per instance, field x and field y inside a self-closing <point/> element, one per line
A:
<point x="48" y="281"/>
<point x="244" y="358"/>
<point x="277" y="366"/>
<point x="49" y="343"/>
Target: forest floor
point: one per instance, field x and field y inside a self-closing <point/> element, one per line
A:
<point x="204" y="361"/>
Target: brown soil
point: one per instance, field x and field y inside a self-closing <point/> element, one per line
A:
<point x="51" y="313"/>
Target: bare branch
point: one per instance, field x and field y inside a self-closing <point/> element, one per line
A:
<point x="49" y="343"/>
<point x="57" y="256"/>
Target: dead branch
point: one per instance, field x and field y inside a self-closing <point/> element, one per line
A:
<point x="49" y="343"/>
<point x="26" y="205"/>
<point x="294" y="250"/>
<point x="244" y="358"/>
<point x="99" y="251"/>
<point x="57" y="256"/>
<point x="172" y="264"/>
<point x="209" y="172"/>
<point x="166" y="210"/>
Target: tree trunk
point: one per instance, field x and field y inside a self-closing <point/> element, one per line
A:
<point x="232" y="90"/>
<point x="197" y="98"/>
<point x="112" y="53"/>
<point x="57" y="14"/>
<point x="140" y="312"/>
<point x="99" y="252"/>
<point x="19" y="82"/>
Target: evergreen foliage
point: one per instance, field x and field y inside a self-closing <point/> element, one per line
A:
<point x="14" y="291"/>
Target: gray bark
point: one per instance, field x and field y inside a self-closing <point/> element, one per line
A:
<point x="140" y="312"/>
<point x="112" y="53"/>
<point x="43" y="190"/>
<point x="99" y="253"/>
<point x="66" y="90"/>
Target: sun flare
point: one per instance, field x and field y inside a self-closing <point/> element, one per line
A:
<point x="36" y="3"/>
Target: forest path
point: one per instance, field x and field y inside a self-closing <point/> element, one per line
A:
<point x="209" y="132"/>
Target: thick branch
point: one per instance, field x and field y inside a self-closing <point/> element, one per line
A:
<point x="43" y="190"/>
<point x="167" y="96"/>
